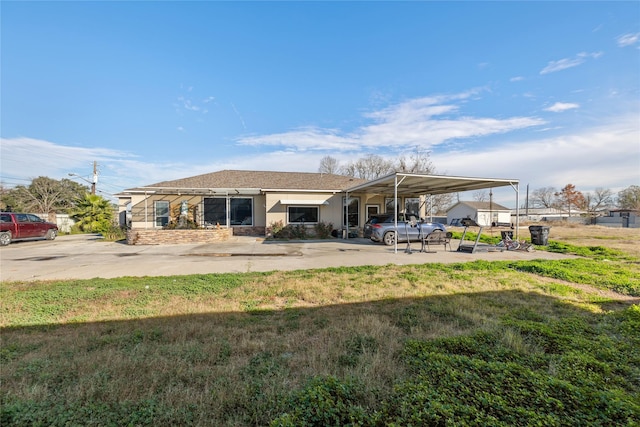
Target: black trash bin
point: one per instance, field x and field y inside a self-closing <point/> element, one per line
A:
<point x="539" y="235"/>
<point x="504" y="234"/>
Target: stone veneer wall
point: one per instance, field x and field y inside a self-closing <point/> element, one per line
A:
<point x="249" y="231"/>
<point x="141" y="236"/>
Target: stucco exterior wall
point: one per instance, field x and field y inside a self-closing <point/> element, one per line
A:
<point x="329" y="213"/>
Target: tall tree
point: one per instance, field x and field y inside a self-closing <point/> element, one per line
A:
<point x="438" y="204"/>
<point x="543" y="197"/>
<point x="93" y="214"/>
<point x="369" y="167"/>
<point x="629" y="198"/>
<point x="569" y="197"/>
<point x="9" y="200"/>
<point x="419" y="161"/>
<point x="44" y="195"/>
<point x="480" y="196"/>
<point x="599" y="199"/>
<point x="329" y="165"/>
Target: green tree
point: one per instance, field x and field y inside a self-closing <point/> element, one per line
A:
<point x="93" y="214"/>
<point x="629" y="198"/>
<point x="44" y="195"/>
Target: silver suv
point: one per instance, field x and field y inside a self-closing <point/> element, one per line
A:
<point x="381" y="228"/>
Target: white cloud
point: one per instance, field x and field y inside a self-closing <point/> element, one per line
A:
<point x="559" y="107"/>
<point x="44" y="158"/>
<point x="563" y="64"/>
<point x="606" y="156"/>
<point x="628" y="39"/>
<point x="426" y="122"/>
<point x="516" y="79"/>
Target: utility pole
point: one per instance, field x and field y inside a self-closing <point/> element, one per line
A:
<point x="95" y="177"/>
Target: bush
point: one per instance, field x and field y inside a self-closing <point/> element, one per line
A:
<point x="323" y="230"/>
<point x="275" y="227"/>
<point x="298" y="231"/>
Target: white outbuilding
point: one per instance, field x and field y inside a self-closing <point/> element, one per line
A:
<point x="484" y="213"/>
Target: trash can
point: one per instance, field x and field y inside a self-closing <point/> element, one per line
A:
<point x="504" y="234"/>
<point x="539" y="235"/>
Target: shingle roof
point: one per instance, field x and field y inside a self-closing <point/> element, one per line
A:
<point x="263" y="180"/>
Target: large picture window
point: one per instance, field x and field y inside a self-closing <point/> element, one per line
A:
<point x="307" y="214"/>
<point x="161" y="208"/>
<point x="240" y="211"/>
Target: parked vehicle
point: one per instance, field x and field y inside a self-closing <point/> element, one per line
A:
<point x="381" y="228"/>
<point x="21" y="226"/>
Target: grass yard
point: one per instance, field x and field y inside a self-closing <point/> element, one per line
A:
<point x="502" y="343"/>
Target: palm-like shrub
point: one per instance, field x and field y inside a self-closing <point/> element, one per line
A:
<point x="93" y="214"/>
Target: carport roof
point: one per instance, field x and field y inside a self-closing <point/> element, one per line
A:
<point x="411" y="184"/>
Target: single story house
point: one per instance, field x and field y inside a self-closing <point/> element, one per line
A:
<point x="484" y="213"/>
<point x="625" y="218"/>
<point x="252" y="202"/>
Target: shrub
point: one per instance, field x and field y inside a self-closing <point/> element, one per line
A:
<point x="298" y="231"/>
<point x="275" y="227"/>
<point x="323" y="229"/>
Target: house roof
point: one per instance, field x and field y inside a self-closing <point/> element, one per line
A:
<point x="482" y="206"/>
<point x="253" y="181"/>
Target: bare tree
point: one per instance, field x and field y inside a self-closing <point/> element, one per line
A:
<point x="599" y="199"/>
<point x="439" y="203"/>
<point x="369" y="167"/>
<point x="569" y="197"/>
<point x="418" y="162"/>
<point x="543" y="197"/>
<point x="629" y="198"/>
<point x="329" y="165"/>
<point x="480" y="195"/>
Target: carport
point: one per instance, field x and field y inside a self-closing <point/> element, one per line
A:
<point x="413" y="185"/>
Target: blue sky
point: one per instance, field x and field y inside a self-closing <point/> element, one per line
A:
<point x="544" y="92"/>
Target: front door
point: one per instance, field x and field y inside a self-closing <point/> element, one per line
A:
<point x="372" y="210"/>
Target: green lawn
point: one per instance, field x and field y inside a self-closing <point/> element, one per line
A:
<point x="482" y="343"/>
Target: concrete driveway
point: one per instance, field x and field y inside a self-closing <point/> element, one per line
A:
<point x="88" y="256"/>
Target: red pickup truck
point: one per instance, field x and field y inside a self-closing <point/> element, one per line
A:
<point x="21" y="226"/>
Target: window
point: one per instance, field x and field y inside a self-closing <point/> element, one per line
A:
<point x="351" y="212"/>
<point x="240" y="211"/>
<point x="303" y="214"/>
<point x="22" y="218"/>
<point x="215" y="211"/>
<point x="412" y="206"/>
<point x="161" y="213"/>
<point x="372" y="210"/>
<point x="388" y="205"/>
<point x="34" y="218"/>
